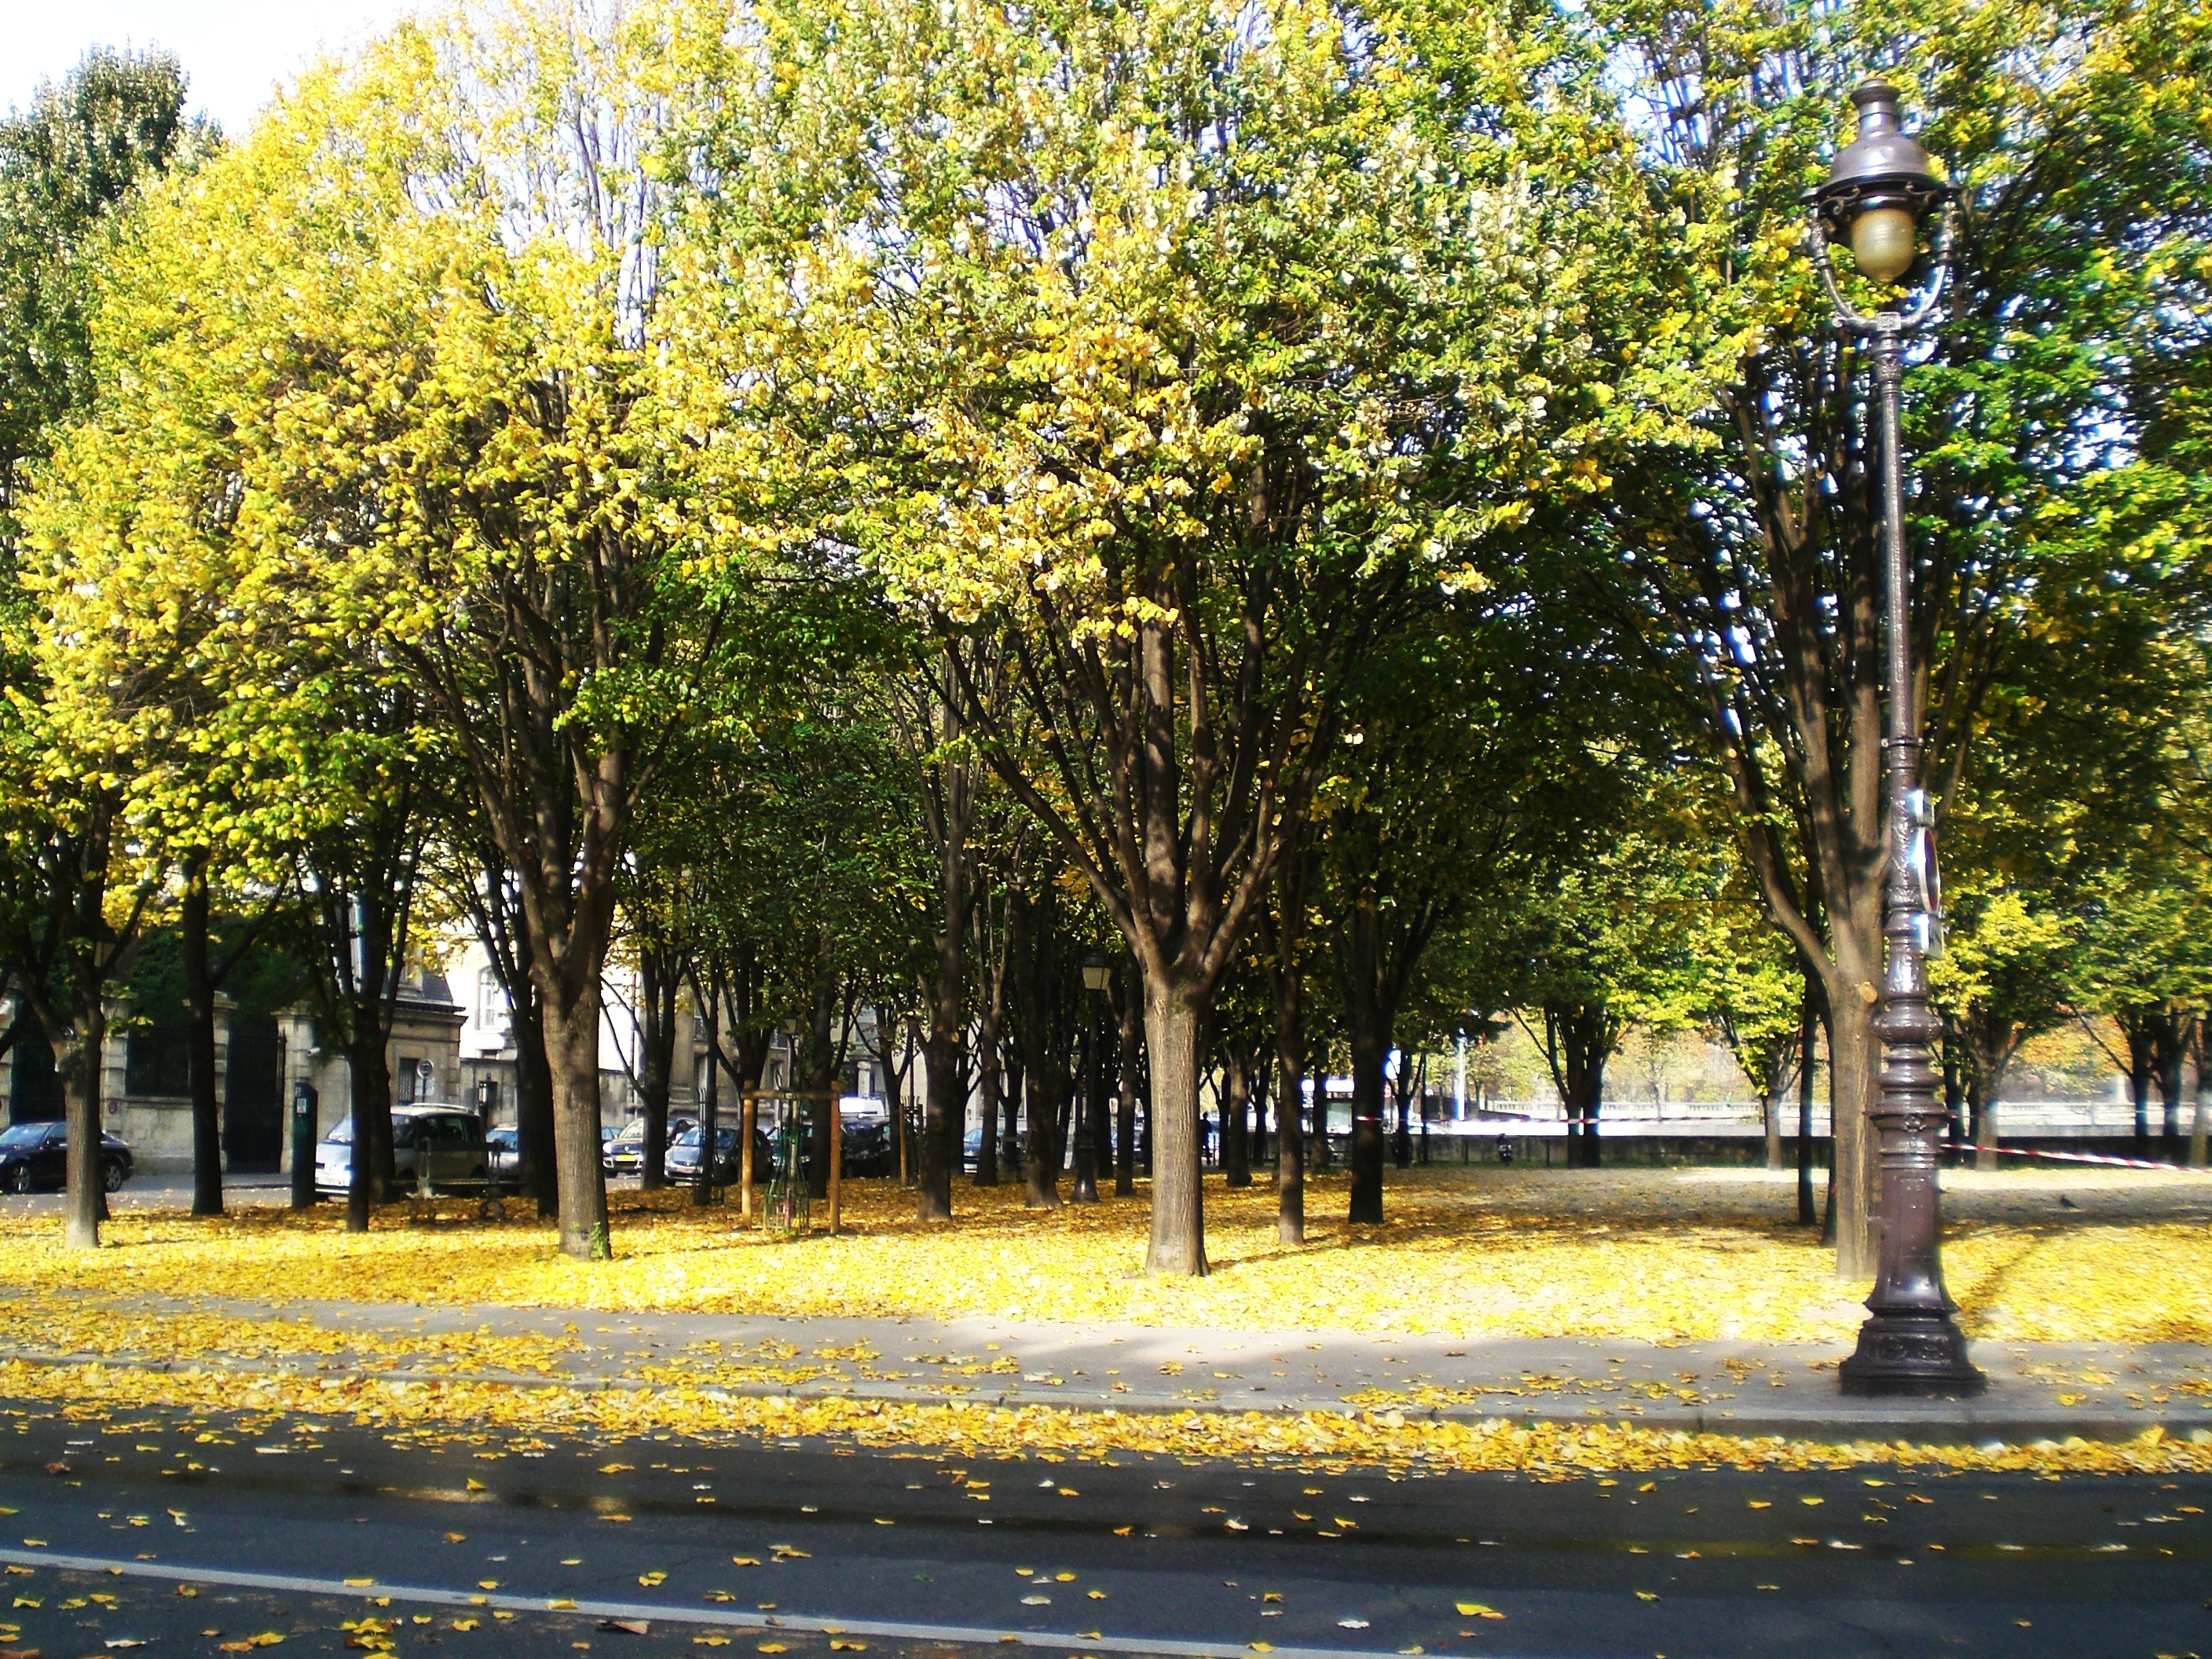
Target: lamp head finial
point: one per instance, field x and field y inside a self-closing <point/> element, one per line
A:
<point x="1881" y="187"/>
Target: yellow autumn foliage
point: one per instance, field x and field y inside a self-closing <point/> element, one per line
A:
<point x="1664" y="1255"/>
<point x="439" y="1413"/>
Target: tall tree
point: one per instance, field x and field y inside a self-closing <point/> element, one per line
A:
<point x="2003" y="979"/>
<point x="1753" y="554"/>
<point x="1180" y="346"/>
<point x="1604" y="941"/>
<point x="1468" y="756"/>
<point x="67" y="923"/>
<point x="463" y="438"/>
<point x="65" y="163"/>
<point x="1755" y="996"/>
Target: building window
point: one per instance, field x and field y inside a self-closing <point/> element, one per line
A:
<point x="491" y="1002"/>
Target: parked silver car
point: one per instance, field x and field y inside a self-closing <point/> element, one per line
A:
<point x="447" y="1140"/>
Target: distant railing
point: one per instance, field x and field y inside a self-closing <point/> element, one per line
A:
<point x="2060" y="1119"/>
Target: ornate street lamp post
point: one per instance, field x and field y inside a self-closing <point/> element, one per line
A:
<point x="1881" y="191"/>
<point x="1096" y="974"/>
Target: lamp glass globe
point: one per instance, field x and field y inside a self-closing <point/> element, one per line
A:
<point x="1885" y="241"/>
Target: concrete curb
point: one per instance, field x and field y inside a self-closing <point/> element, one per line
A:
<point x="1921" y="1422"/>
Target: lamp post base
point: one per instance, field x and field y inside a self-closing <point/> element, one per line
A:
<point x="1911" y="1354"/>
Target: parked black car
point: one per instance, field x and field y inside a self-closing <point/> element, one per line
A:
<point x="869" y="1149"/>
<point x="683" y="1155"/>
<point x="36" y="1155"/>
<point x="624" y="1154"/>
<point x="1009" y="1150"/>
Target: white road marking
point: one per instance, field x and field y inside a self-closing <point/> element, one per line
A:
<point x="430" y="1596"/>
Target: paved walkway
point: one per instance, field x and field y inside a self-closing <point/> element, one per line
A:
<point x="2037" y="1390"/>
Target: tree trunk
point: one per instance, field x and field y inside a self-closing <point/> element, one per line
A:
<point x="1290" y="1102"/>
<point x="199" y="1042"/>
<point x="1014" y="1084"/>
<point x="1321" y="1154"/>
<point x="1982" y="1102"/>
<point x="1101" y="1119"/>
<point x="533" y="1104"/>
<point x="659" y="977"/>
<point x="818" y="1071"/>
<point x="1257" y="1071"/>
<point x="1041" y="1149"/>
<point x="1145" y="1118"/>
<point x="1588" y="1097"/>
<point x="502" y="929"/>
<point x="944" y="1112"/>
<point x="1578" y="1039"/>
<point x="1778" y="1090"/>
<point x="1125" y="1104"/>
<point x="945" y="1103"/>
<point x="1955" y="1095"/>
<point x="991" y="1080"/>
<point x="1364" y="1155"/>
<point x="708" y="1012"/>
<point x="906" y="1169"/>
<point x="79" y="1060"/>
<point x="1289" y="1143"/>
<point x="1555" y="1060"/>
<point x="368" y="1070"/>
<point x="572" y="1053"/>
<point x="2170" y="1045"/>
<point x="1854" y="1070"/>
<point x="1029" y="924"/>
<point x="1172" y="1017"/>
<point x="2201" y="1121"/>
<point x="1808" y="1036"/>
<point x="1236" y="1101"/>
<point x="2140" y="1064"/>
<point x="898" y="1093"/>
<point x="1367" y="1032"/>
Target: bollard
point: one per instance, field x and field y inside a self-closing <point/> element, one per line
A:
<point x="304" y="1102"/>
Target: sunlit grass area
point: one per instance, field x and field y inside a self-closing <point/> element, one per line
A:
<point x="1661" y="1255"/>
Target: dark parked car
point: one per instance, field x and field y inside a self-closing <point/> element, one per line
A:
<point x="36" y="1155"/>
<point x="1009" y="1150"/>
<point x="683" y="1156"/>
<point x="869" y="1148"/>
<point x="625" y="1155"/>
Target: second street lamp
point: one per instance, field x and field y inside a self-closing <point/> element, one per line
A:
<point x="1095" y="974"/>
<point x="1881" y="191"/>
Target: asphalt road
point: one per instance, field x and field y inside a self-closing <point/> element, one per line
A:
<point x="704" y="1545"/>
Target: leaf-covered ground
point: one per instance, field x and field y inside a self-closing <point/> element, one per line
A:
<point x="501" y="1420"/>
<point x="1650" y="1254"/>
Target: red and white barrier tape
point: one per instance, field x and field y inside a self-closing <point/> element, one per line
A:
<point x="2080" y="1157"/>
